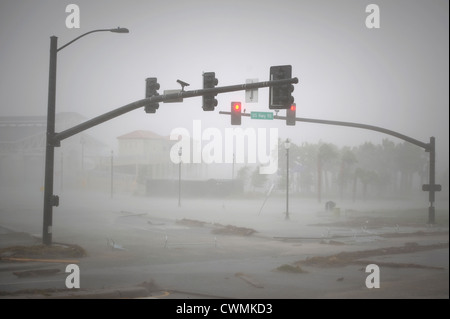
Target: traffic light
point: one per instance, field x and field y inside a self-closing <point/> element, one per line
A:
<point x="236" y="111"/>
<point x="209" y="82"/>
<point x="280" y="96"/>
<point x="151" y="89"/>
<point x="290" y="115"/>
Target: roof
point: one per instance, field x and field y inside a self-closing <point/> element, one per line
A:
<point x="18" y="128"/>
<point x="141" y="135"/>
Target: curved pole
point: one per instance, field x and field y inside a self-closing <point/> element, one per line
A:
<point x="363" y="126"/>
<point x="118" y="30"/>
<point x="411" y="140"/>
<point x="431" y="188"/>
<point x="51" y="200"/>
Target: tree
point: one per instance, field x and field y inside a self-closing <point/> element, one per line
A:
<point x="366" y="177"/>
<point x="346" y="171"/>
<point x="325" y="157"/>
<point x="307" y="158"/>
<point x="242" y="175"/>
<point x="410" y="160"/>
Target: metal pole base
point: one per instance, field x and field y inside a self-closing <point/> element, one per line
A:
<point x="431" y="214"/>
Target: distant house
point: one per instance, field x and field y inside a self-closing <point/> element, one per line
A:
<point x="147" y="155"/>
<point x="22" y="149"/>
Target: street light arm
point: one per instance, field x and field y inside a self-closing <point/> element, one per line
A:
<point x="118" y="30"/>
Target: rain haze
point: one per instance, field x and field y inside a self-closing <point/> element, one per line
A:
<point x="122" y="178"/>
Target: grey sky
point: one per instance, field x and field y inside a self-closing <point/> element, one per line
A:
<point x="394" y="77"/>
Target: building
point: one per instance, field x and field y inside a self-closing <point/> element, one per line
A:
<point x="146" y="155"/>
<point x="22" y="151"/>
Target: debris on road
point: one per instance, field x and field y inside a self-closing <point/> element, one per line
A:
<point x="248" y="279"/>
<point x="233" y="230"/>
<point x="191" y="222"/>
<point x="219" y="228"/>
<point x="291" y="268"/>
<point x="43" y="251"/>
<point x="113" y="245"/>
<point x="354" y="257"/>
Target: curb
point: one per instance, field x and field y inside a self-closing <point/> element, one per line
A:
<point x="120" y="293"/>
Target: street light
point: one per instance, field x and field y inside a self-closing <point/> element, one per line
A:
<point x="51" y="200"/>
<point x="112" y="173"/>
<point x="82" y="142"/>
<point x="287" y="145"/>
<point x="180" y="152"/>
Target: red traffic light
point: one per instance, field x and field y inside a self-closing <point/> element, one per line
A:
<point x="290" y="114"/>
<point x="236" y="113"/>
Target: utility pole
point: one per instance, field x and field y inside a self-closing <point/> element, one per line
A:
<point x="232" y="168"/>
<point x="51" y="200"/>
<point x="62" y="171"/>
<point x="180" y="152"/>
<point x="112" y="173"/>
<point x="287" y="145"/>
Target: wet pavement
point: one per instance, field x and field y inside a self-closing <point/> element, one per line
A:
<point x="145" y="248"/>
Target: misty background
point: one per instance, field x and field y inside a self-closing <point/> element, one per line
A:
<point x="395" y="77"/>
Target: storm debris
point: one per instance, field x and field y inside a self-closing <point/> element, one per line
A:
<point x="234" y="230"/>
<point x="191" y="222"/>
<point x="27" y="292"/>
<point x="248" y="279"/>
<point x="43" y="251"/>
<point x="397" y="265"/>
<point x="346" y="258"/>
<point x="291" y="268"/>
<point x="114" y="246"/>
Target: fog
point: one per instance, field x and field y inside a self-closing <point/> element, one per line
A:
<point x="123" y="179"/>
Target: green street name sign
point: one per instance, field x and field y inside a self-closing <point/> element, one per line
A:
<point x="261" y="115"/>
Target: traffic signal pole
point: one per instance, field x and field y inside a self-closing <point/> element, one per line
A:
<point x="431" y="188"/>
<point x="58" y="137"/>
<point x="54" y="139"/>
<point x="49" y="199"/>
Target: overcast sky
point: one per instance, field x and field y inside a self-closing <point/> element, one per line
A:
<point x="395" y="77"/>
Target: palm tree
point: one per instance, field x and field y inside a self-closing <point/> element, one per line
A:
<point x="327" y="153"/>
<point x="410" y="160"/>
<point x="366" y="177"/>
<point x="348" y="160"/>
<point x="307" y="158"/>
